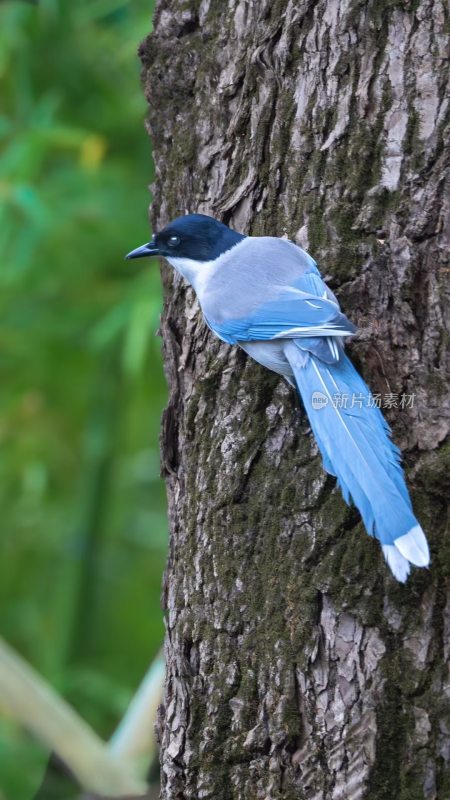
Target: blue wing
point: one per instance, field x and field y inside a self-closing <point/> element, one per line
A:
<point x="306" y="309"/>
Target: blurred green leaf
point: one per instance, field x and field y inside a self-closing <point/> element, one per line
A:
<point x="82" y="383"/>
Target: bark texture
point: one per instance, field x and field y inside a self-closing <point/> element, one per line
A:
<point x="297" y="666"/>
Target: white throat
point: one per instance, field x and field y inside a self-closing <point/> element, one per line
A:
<point x="196" y="272"/>
<point x="199" y="273"/>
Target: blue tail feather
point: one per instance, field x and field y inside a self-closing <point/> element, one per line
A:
<point x="355" y="443"/>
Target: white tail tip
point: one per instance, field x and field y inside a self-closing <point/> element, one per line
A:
<point x="413" y="546"/>
<point x="399" y="565"/>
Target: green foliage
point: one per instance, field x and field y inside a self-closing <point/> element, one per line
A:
<point x="83" y="512"/>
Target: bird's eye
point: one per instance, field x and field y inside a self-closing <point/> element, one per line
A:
<point x="174" y="241"/>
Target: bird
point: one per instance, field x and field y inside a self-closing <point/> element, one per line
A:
<point x="266" y="295"/>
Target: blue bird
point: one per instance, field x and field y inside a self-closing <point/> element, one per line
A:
<point x="266" y="295"/>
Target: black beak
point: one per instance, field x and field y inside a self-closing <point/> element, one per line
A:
<point x="149" y="249"/>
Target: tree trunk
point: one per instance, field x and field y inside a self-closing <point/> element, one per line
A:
<point x="296" y="666"/>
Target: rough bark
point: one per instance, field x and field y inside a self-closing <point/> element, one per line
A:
<point x="296" y="666"/>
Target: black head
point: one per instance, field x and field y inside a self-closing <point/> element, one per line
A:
<point x="194" y="236"/>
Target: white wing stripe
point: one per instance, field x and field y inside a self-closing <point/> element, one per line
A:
<point x="313" y="305"/>
<point x="312" y="329"/>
